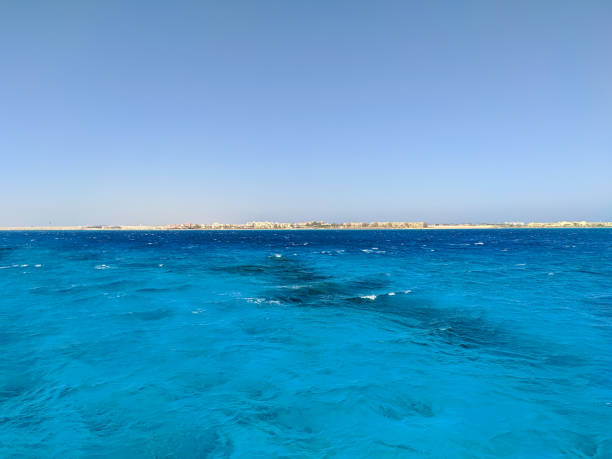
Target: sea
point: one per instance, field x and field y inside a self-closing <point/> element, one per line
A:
<point x="314" y="343"/>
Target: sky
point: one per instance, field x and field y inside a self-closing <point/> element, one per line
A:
<point x="158" y="112"/>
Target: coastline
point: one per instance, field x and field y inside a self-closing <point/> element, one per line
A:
<point x="230" y="227"/>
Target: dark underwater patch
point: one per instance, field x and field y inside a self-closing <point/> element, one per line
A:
<point x="407" y="448"/>
<point x="16" y="387"/>
<point x="313" y="294"/>
<point x="84" y="256"/>
<point x="461" y="329"/>
<point x="280" y="269"/>
<point x="600" y="305"/>
<point x="593" y="273"/>
<point x="302" y="285"/>
<point x="6" y="251"/>
<point x="163" y="289"/>
<point x="455" y="327"/>
<point x="204" y="443"/>
<point x="245" y="270"/>
<point x="400" y="409"/>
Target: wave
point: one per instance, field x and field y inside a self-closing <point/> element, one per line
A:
<point x="261" y="301"/>
<point x="369" y="297"/>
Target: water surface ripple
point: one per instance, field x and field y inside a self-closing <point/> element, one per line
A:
<point x="473" y="343"/>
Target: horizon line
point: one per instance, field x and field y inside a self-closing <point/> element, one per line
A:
<point x="319" y="224"/>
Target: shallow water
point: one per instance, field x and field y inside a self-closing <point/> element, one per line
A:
<point x="473" y="343"/>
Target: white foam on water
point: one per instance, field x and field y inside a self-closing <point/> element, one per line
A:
<point x="102" y="266"/>
<point x="391" y="293"/>
<point x="478" y="243"/>
<point x="261" y="301"/>
<point x="38" y="266"/>
<point x="369" y="297"/>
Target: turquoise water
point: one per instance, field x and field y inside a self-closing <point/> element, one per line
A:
<point x="306" y="344"/>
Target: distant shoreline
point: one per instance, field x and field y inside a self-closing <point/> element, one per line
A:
<point x="302" y="227"/>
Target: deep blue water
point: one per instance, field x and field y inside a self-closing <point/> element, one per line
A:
<point x="306" y="343"/>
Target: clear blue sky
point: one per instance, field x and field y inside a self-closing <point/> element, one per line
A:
<point x="169" y="111"/>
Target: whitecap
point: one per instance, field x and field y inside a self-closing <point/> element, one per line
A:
<point x="102" y="266"/>
<point x="261" y="301"/>
<point x="369" y="297"/>
<point x="255" y="300"/>
<point x="407" y="291"/>
<point x="38" y="266"/>
<point x="391" y="293"/>
<point x="478" y="243"/>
